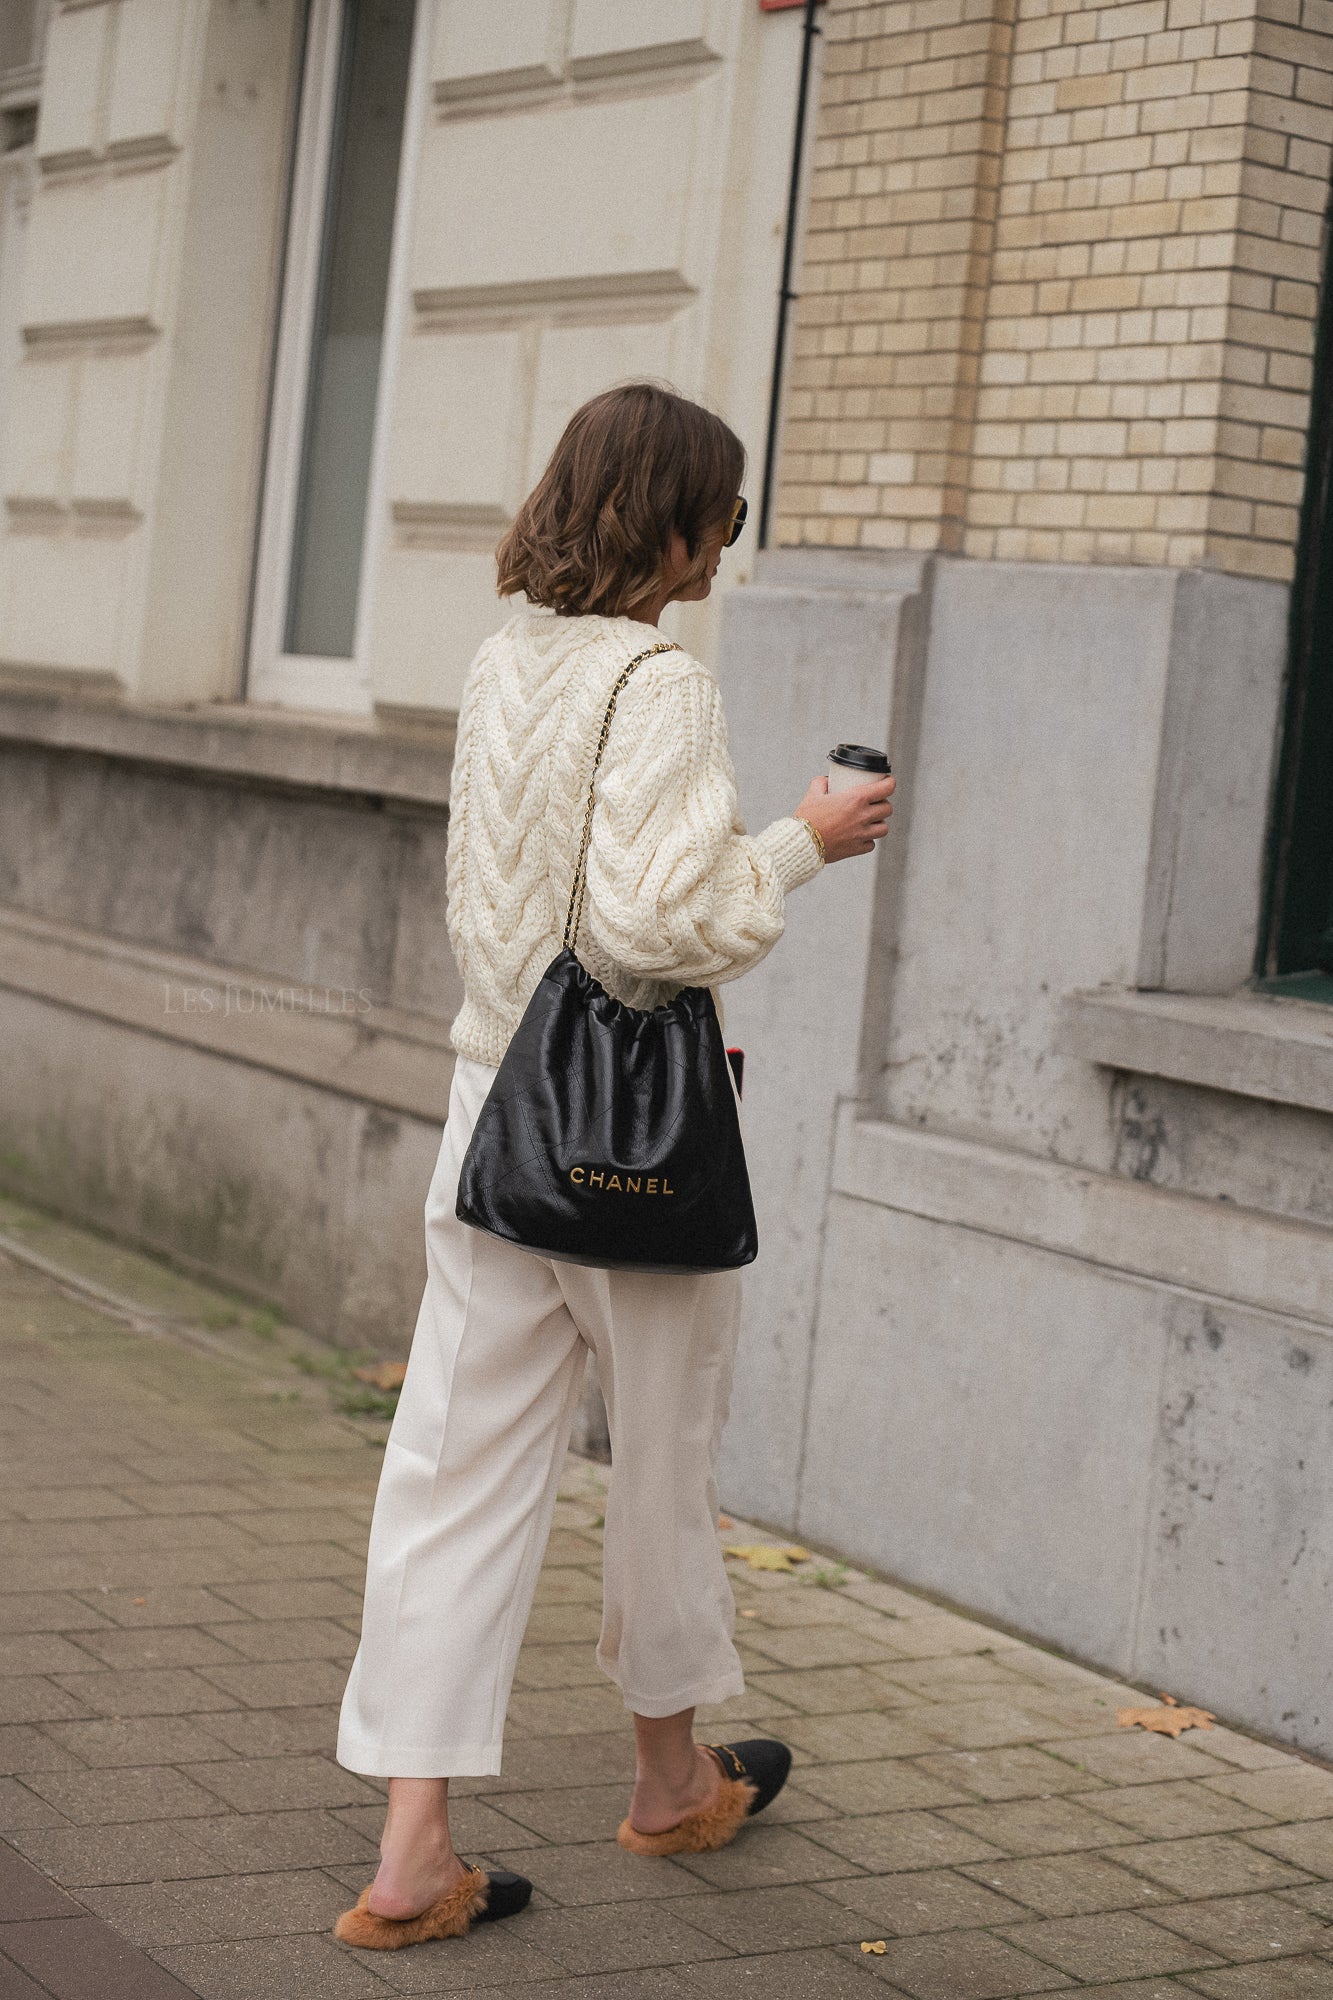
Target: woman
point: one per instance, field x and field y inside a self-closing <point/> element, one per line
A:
<point x="632" y="514"/>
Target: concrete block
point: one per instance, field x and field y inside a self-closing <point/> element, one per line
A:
<point x="1225" y="678"/>
<point x="1043" y="695"/>
<point x="294" y="1194"/>
<point x="802" y="670"/>
<point x="1238" y="1579"/>
<point x="1211" y="1143"/>
<point x="311" y="891"/>
<point x="981" y="1422"/>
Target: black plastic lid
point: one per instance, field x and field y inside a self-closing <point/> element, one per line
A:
<point x="860" y="757"/>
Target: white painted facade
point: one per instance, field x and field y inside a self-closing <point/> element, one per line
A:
<point x="587" y="190"/>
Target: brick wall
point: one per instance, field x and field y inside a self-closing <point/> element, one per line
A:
<point x="1060" y="280"/>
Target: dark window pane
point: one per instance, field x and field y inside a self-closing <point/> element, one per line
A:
<point x="1300" y="903"/>
<point x="349" y="327"/>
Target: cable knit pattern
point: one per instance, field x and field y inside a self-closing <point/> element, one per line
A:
<point x="677" y="893"/>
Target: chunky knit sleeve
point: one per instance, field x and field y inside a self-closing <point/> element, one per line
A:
<point x="677" y="889"/>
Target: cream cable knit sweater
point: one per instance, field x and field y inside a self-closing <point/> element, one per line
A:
<point x="677" y="893"/>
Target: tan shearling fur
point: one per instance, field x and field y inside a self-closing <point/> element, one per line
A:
<point x="451" y="1916"/>
<point x="698" y="1831"/>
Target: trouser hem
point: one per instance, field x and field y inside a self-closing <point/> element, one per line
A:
<point x="415" y="1760"/>
<point x="703" y="1694"/>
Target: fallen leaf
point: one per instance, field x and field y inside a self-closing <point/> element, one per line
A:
<point x="383" y="1374"/>
<point x="878" y="1946"/>
<point x="1169" y="1721"/>
<point x="725" y="1521"/>
<point x="749" y="1614"/>
<point x="763" y="1555"/>
<point x="141" y="1600"/>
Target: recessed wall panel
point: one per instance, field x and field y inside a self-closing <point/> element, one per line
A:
<point x="72" y="80"/>
<point x="37" y="436"/>
<point x="485" y="47"/>
<point x="575" y="362"/>
<point x="94" y="251"/>
<point x="613" y="35"/>
<point x="107" y="431"/>
<point x="145" y="75"/>
<point x="460" y="407"/>
<point x="434" y="609"/>
<point x="61" y="596"/>
<point x="577" y="192"/>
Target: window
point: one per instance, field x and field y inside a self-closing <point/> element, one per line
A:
<point x="1297" y="954"/>
<point x="335" y="329"/>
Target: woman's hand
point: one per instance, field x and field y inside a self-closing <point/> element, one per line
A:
<point x="852" y="820"/>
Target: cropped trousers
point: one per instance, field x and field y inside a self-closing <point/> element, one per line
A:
<point x="468" y="1487"/>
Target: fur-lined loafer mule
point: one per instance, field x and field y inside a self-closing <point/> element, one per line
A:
<point x="480" y="1898"/>
<point x="753" y="1774"/>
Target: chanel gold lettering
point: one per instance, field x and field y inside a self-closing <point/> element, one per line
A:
<point x="595" y="1177"/>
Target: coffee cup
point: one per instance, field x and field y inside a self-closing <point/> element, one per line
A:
<point x="855" y="764"/>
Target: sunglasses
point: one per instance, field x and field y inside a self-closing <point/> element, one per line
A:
<point x="736" y="523"/>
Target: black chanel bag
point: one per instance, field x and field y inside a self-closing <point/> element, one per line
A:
<point x="610" y="1136"/>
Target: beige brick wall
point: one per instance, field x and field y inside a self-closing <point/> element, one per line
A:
<point x="1060" y="280"/>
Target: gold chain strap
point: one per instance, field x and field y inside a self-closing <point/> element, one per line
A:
<point x="575" y="910"/>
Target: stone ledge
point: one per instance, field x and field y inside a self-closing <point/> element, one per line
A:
<point x="1135" y="1231"/>
<point x="1252" y="1044"/>
<point x="377" y="1055"/>
<point x="410" y="761"/>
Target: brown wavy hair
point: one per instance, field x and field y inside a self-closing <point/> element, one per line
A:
<point x="632" y="464"/>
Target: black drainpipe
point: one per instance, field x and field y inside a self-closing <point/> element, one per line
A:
<point x="785" y="292"/>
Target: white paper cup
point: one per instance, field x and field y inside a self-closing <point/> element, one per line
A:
<point x="855" y="764"/>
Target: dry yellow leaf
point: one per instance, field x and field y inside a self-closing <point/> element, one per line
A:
<point x="878" y="1946"/>
<point x="764" y="1555"/>
<point x="1168" y="1721"/>
<point x="382" y="1374"/>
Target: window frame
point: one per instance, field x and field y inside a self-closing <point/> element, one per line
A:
<point x="275" y="677"/>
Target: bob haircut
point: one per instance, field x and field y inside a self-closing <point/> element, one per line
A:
<point x="632" y="464"/>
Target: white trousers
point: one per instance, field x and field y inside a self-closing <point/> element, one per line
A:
<point x="468" y="1488"/>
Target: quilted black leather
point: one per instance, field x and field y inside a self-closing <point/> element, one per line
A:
<point x="610" y="1135"/>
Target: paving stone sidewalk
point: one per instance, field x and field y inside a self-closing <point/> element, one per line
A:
<point x="184" y="1495"/>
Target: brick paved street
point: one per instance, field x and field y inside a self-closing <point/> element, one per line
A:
<point x="183" y="1510"/>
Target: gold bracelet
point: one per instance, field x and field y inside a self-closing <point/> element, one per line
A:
<point x="815" y="835"/>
